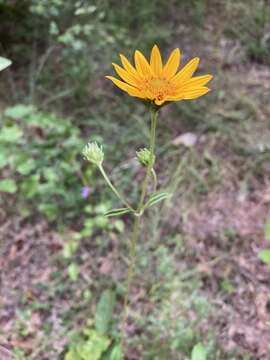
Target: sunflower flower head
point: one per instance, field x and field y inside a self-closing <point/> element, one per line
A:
<point x="160" y="83"/>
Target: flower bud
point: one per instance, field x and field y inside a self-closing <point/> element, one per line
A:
<point x="144" y="157"/>
<point x="93" y="153"/>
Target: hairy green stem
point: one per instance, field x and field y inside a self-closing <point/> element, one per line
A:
<point x="115" y="191"/>
<point x="132" y="262"/>
<point x="154" y="176"/>
<point x="152" y="151"/>
<point x="136" y="224"/>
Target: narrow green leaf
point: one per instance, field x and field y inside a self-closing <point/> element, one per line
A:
<point x="4" y="63"/>
<point x="117" y="212"/>
<point x="104" y="312"/>
<point x="264" y="256"/>
<point x="8" y="186"/>
<point x="267" y="230"/>
<point x="199" y="352"/>
<point x="156" y="198"/>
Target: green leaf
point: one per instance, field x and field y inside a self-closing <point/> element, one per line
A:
<point x="264" y="256"/>
<point x="103" y="316"/>
<point x="19" y="111"/>
<point x="267" y="230"/>
<point x="87" y="295"/>
<point x="119" y="225"/>
<point x="90" y="349"/>
<point x="70" y="248"/>
<point x="156" y="198"/>
<point x="199" y="352"/>
<point x="50" y="210"/>
<point x="117" y="212"/>
<point x="94" y="347"/>
<point x="30" y="186"/>
<point x="101" y="208"/>
<point x="8" y="186"/>
<point x="4" y="63"/>
<point x="49" y="121"/>
<point x="26" y="167"/>
<point x="72" y="354"/>
<point x="116" y="353"/>
<point x="50" y="174"/>
<point x="73" y="271"/>
<point x="3" y="159"/>
<point x="101" y="222"/>
<point x="10" y="134"/>
<point x="228" y="286"/>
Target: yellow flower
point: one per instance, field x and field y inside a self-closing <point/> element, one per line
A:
<point x="160" y="83"/>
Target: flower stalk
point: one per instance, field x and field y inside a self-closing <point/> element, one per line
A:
<point x="94" y="154"/>
<point x="113" y="188"/>
<point x="137" y="221"/>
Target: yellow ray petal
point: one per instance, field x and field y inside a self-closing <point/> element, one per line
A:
<point x="197" y="81"/>
<point x="132" y="91"/>
<point x="156" y="61"/>
<point x="187" y="71"/>
<point x="137" y="93"/>
<point x="126" y="76"/>
<point x="121" y="84"/>
<point x="172" y="64"/>
<point x="127" y="65"/>
<point x="195" y="93"/>
<point x="142" y="65"/>
<point x="173" y="98"/>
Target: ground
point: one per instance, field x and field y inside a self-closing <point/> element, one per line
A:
<point x="225" y="234"/>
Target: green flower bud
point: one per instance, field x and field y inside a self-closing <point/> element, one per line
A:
<point x="93" y="153"/>
<point x="143" y="156"/>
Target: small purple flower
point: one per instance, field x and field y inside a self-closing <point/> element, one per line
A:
<point x="85" y="191"/>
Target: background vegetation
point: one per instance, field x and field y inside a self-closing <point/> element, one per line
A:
<point x="202" y="284"/>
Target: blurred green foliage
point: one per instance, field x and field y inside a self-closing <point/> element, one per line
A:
<point x="264" y="254"/>
<point x="68" y="44"/>
<point x="40" y="152"/>
<point x="95" y="342"/>
<point x="252" y="28"/>
<point x="168" y="331"/>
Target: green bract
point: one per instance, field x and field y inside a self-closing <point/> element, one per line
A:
<point x="93" y="153"/>
<point x="144" y="157"/>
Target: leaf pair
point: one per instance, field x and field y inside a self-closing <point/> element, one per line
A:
<point x="153" y="200"/>
<point x="156" y="198"/>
